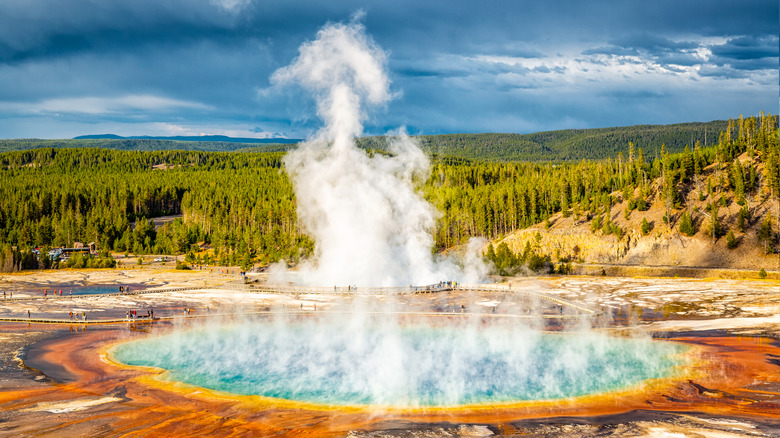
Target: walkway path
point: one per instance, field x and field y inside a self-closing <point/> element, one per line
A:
<point x="294" y="290"/>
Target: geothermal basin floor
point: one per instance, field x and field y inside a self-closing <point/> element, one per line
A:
<point x="54" y="378"/>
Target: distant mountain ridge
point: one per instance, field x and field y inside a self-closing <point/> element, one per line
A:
<point x="212" y="138"/>
<point x="551" y="146"/>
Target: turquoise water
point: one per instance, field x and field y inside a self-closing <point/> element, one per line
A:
<point x="78" y="289"/>
<point x="375" y="363"/>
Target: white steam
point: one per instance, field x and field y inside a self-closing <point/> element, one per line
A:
<point x="370" y="225"/>
<point x="375" y="360"/>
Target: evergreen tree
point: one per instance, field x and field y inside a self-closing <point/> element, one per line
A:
<point x="765" y="234"/>
<point x="738" y="180"/>
<point x="714" y="221"/>
<point x="687" y="165"/>
<point x="686" y="225"/>
<point x="731" y="241"/>
<point x="645" y="227"/>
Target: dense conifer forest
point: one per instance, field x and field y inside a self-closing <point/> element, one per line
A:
<point x="238" y="208"/>
<point x="564" y="145"/>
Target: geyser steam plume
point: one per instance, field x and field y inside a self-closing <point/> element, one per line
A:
<point x="370" y="226"/>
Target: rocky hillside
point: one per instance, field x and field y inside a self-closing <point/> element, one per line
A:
<point x="619" y="238"/>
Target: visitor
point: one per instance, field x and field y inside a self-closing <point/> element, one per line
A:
<point x="84" y="316"/>
<point x="28" y="313"/>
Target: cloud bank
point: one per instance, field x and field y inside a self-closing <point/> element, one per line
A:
<point x="462" y="66"/>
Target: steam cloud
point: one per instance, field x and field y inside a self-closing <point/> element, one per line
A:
<point x="370" y="225"/>
<point x="372" y="228"/>
<point x="373" y="361"/>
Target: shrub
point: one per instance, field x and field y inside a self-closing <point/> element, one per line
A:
<point x="731" y="241"/>
<point x="645" y="227"/>
<point x="595" y="224"/>
<point x="536" y="262"/>
<point x="607" y="228"/>
<point x="762" y="273"/>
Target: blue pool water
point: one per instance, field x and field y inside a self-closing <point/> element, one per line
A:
<point x="345" y="362"/>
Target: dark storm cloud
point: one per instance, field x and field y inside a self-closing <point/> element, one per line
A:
<point x="45" y="29"/>
<point x="457" y="65"/>
<point x="748" y="52"/>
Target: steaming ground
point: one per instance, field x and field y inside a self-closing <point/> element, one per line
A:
<point x="746" y="307"/>
<point x="652" y="303"/>
<point x="401" y="362"/>
<point x="371" y="225"/>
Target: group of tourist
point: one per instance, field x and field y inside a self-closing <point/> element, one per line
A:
<point x="56" y="293"/>
<point x="75" y="315"/>
<point x="133" y="314"/>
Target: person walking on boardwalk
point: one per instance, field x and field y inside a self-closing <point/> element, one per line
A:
<point x="28" y="313"/>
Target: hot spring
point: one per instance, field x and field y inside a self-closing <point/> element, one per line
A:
<point x="378" y="361"/>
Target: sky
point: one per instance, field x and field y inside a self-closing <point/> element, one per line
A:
<point x="204" y="67"/>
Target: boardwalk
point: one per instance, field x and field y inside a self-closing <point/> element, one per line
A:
<point x="297" y="290"/>
<point x="434" y="288"/>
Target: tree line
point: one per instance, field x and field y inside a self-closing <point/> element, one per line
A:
<point x="242" y="205"/>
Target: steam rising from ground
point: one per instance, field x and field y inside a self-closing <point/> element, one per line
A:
<point x="375" y="361"/>
<point x="370" y="225"/>
<point x="372" y="228"/>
